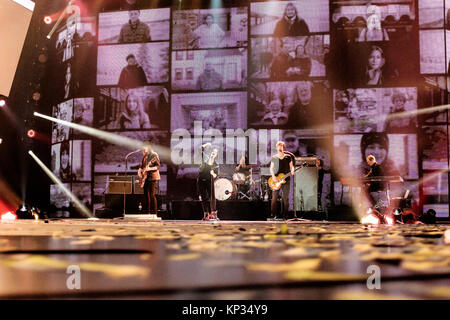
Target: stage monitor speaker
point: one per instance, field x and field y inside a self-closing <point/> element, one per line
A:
<point x="119" y="185"/>
<point x="136" y="188"/>
<point x="306" y="189"/>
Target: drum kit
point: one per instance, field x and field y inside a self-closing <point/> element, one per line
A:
<point x="240" y="187"/>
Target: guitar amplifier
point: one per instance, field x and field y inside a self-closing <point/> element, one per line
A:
<point x="136" y="188"/>
<point x="119" y="185"/>
<point x="309" y="161"/>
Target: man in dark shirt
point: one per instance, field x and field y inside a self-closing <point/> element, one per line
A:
<point x="280" y="63"/>
<point x="134" y="30"/>
<point x="282" y="162"/>
<point x="132" y="76"/>
<point x="374" y="171"/>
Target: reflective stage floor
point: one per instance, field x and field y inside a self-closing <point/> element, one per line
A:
<point x="135" y="259"/>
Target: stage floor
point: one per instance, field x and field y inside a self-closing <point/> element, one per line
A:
<point x="135" y="259"/>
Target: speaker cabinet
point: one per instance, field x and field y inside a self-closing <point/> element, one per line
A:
<point x="306" y="189"/>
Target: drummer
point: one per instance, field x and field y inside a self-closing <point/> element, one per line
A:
<point x="244" y="168"/>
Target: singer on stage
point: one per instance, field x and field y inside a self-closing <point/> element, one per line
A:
<point x="149" y="177"/>
<point x="208" y="171"/>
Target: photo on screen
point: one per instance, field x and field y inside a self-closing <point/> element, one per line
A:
<point x="289" y="18"/>
<point x="73" y="35"/>
<point x="218" y="110"/>
<point x="396" y="153"/>
<point x="367" y="22"/>
<point x="62" y="111"/>
<point x="209" y="28"/>
<point x="381" y="64"/>
<point x="110" y="158"/>
<point x="61" y="160"/>
<point x="434" y="93"/>
<point x="83" y="114"/>
<point x="435" y="187"/>
<point x="296" y="104"/>
<point x="57" y="196"/>
<point x="431" y="14"/>
<point x="435" y="147"/>
<point x="133" y="65"/>
<point x="432" y="51"/>
<point x="81" y="160"/>
<point x="134" y="26"/>
<point x="83" y="192"/>
<point x="139" y="108"/>
<point x="289" y="58"/>
<point x="207" y="70"/>
<point x="375" y="110"/>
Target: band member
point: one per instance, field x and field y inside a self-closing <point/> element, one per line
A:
<point x="244" y="167"/>
<point x="320" y="174"/>
<point x="281" y="162"/>
<point x="374" y="171"/>
<point x="208" y="171"/>
<point x="150" y="165"/>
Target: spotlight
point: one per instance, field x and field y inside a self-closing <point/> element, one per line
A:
<point x="47" y="19"/>
<point x="24" y="213"/>
<point x="31" y="133"/>
<point x="8" y="216"/>
<point x="2" y="101"/>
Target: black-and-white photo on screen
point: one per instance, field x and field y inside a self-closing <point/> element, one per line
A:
<point x="396" y="153"/>
<point x="431" y="14"/>
<point x="58" y="197"/>
<point x="83" y="192"/>
<point x="110" y="158"/>
<point x="76" y="33"/>
<point x="296" y="104"/>
<point x="81" y="160"/>
<point x="435" y="147"/>
<point x="364" y="21"/>
<point x="375" y="110"/>
<point x="139" y="108"/>
<point x="432" y="52"/>
<point x="206" y="70"/>
<point x="289" y="18"/>
<point x="83" y="114"/>
<point x="133" y="65"/>
<point x="62" y="111"/>
<point x="289" y="57"/>
<point x="209" y="28"/>
<point x="215" y="110"/>
<point x="61" y="160"/>
<point x="134" y="26"/>
<point x="435" y="191"/>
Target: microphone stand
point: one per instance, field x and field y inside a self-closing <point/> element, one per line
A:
<point x="125" y="181"/>
<point x="293" y="193"/>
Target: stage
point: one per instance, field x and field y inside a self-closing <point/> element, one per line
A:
<point x="136" y="259"/>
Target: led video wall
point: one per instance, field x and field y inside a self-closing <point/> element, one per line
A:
<point x="335" y="79"/>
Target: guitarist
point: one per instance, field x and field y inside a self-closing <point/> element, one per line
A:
<point x="282" y="162"/>
<point x="149" y="170"/>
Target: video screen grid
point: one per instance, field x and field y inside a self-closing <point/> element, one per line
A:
<point x="276" y="75"/>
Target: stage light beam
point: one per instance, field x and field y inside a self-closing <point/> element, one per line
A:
<point x="116" y="139"/>
<point x="83" y="209"/>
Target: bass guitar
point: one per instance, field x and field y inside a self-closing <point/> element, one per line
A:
<point x="143" y="173"/>
<point x="281" y="179"/>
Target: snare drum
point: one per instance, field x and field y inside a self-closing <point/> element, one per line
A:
<point x="224" y="189"/>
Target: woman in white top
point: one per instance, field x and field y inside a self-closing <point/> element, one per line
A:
<point x="209" y="34"/>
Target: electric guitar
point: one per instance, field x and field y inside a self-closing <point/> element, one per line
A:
<point x="143" y="173"/>
<point x="281" y="179"/>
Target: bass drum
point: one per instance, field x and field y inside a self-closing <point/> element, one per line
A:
<point x="224" y="189"/>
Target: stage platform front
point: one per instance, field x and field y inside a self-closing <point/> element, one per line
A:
<point x="134" y="258"/>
